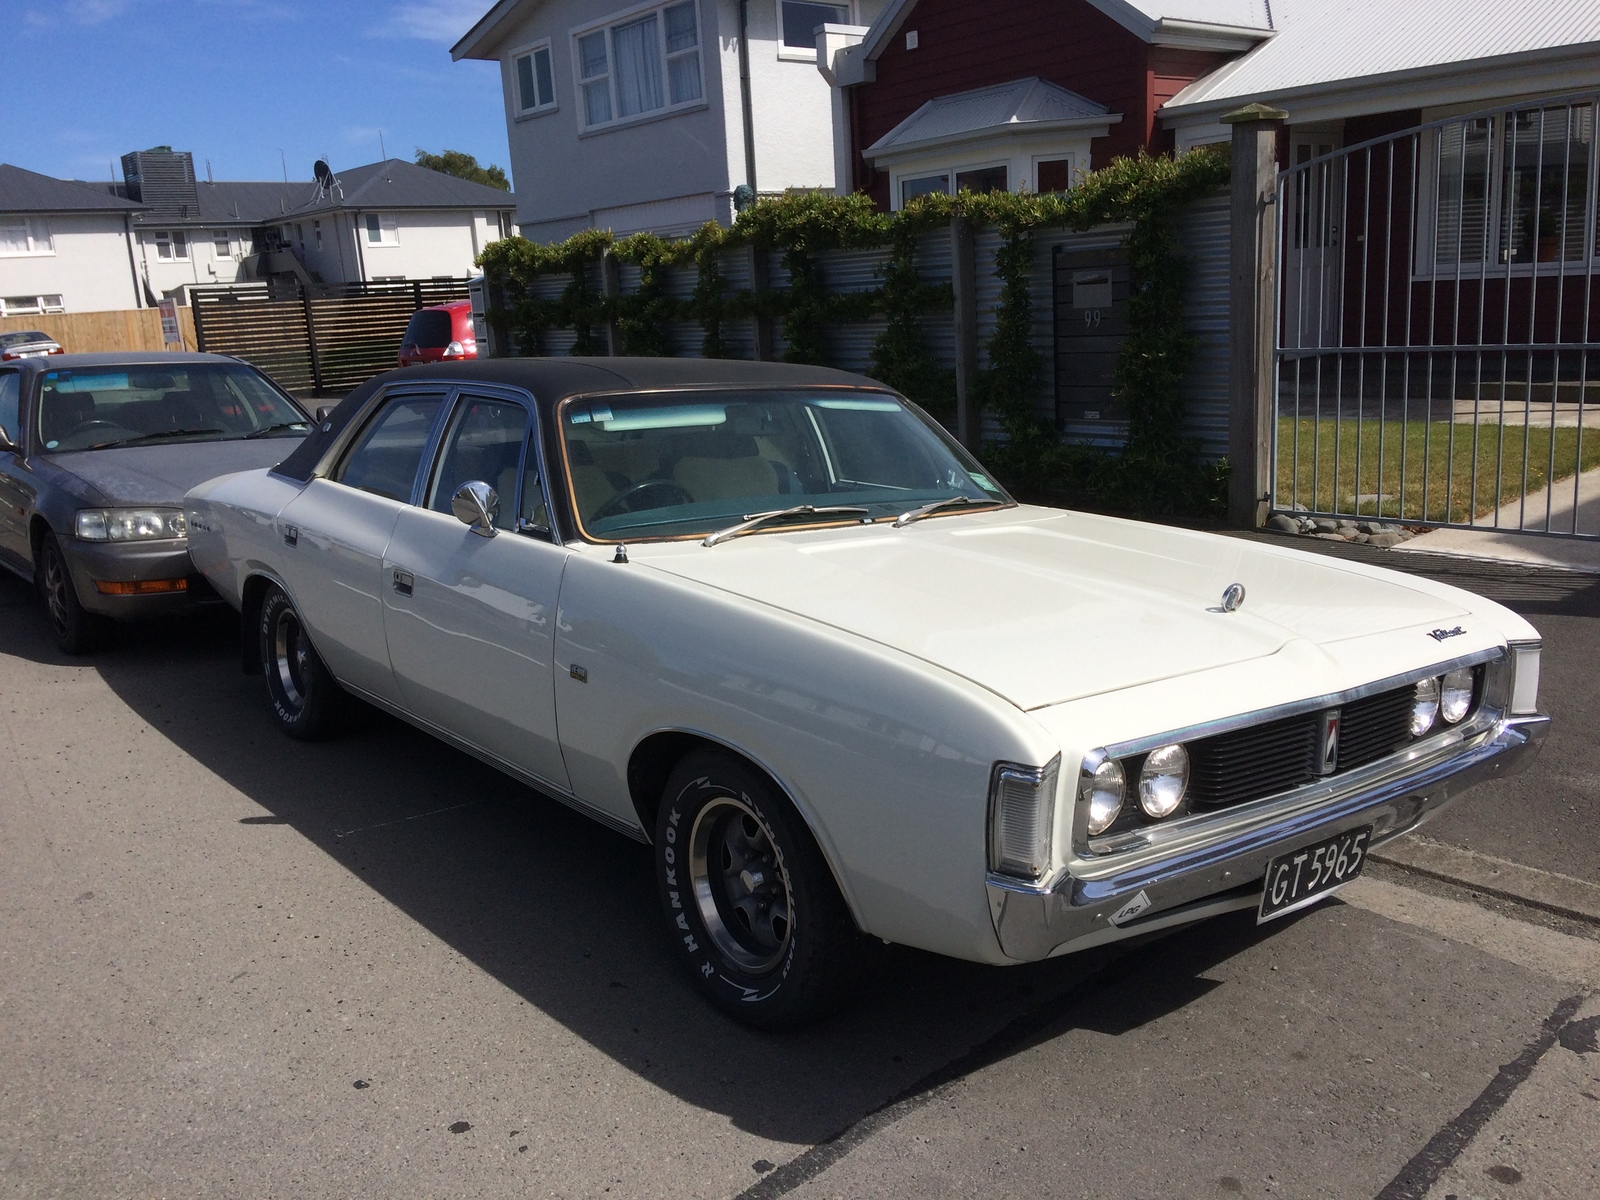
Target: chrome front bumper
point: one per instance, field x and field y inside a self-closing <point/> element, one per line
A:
<point x="1224" y="873"/>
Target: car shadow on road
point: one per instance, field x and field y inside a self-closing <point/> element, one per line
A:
<point x="564" y="912"/>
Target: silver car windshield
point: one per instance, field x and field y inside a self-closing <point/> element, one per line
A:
<point x="92" y="408"/>
<point x="686" y="464"/>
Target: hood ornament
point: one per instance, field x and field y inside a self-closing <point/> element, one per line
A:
<point x="1232" y="599"/>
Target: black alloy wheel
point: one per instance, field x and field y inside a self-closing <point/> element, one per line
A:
<point x="306" y="699"/>
<point x="75" y="629"/>
<point x="749" y="900"/>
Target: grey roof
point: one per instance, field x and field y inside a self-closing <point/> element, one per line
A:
<point x="30" y="192"/>
<point x="1321" y="44"/>
<point x="395" y="183"/>
<point x="1024" y="105"/>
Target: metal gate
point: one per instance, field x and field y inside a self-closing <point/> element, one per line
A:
<point x="1438" y="325"/>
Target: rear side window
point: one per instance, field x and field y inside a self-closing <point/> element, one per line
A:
<point x="429" y="328"/>
<point x="10" y="402"/>
<point x="387" y="452"/>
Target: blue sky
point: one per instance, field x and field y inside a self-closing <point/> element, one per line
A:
<point x="236" y="81"/>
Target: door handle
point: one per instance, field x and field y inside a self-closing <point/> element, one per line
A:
<point x="403" y="582"/>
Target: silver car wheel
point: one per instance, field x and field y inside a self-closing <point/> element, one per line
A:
<point x="740" y="884"/>
<point x="55" y="591"/>
<point x="289" y="653"/>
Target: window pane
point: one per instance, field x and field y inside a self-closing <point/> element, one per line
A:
<point x="485" y="445"/>
<point x="596" y="103"/>
<point x="180" y="245"/>
<point x="14" y="238"/>
<point x="592" y="55"/>
<point x="1545" y="177"/>
<point x="385" y="460"/>
<point x="163" y="246"/>
<point x="989" y="179"/>
<point x="374" y="228"/>
<point x="637" y="46"/>
<point x="680" y="28"/>
<point x="42" y="243"/>
<point x="1462" y="227"/>
<point x="547" y="83"/>
<point x="527" y="92"/>
<point x="910" y="189"/>
<point x="800" y="22"/>
<point x="10" y="395"/>
<point x="683" y="74"/>
<point x="1055" y="175"/>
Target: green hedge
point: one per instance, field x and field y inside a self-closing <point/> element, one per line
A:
<point x="1158" y="469"/>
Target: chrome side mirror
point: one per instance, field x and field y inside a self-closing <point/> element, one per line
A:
<point x="476" y="506"/>
<point x="6" y="442"/>
<point x="324" y="411"/>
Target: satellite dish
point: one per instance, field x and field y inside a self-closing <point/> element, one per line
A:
<point x="323" y="172"/>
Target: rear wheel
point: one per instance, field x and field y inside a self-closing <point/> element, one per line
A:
<point x="748" y="898"/>
<point x="305" y="698"/>
<point x="75" y="629"/>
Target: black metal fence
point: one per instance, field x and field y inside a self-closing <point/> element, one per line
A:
<point x="320" y="342"/>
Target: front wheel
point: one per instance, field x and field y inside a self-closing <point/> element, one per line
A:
<point x="748" y="898"/>
<point x="305" y="698"/>
<point x="76" y="630"/>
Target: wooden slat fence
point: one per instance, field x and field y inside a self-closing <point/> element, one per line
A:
<point x="114" y="331"/>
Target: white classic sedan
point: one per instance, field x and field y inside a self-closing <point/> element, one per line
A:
<point x="774" y="622"/>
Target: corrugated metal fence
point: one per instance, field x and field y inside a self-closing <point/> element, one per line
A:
<point x="322" y="343"/>
<point x="1203" y="234"/>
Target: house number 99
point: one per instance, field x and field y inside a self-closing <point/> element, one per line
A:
<point x="1091" y="318"/>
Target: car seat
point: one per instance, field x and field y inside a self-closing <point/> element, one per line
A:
<point x="720" y="465"/>
<point x="61" y="414"/>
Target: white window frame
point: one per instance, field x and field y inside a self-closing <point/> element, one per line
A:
<point x="624" y="17"/>
<point x="316" y="233"/>
<point x="1069" y="157"/>
<point x="1425" y="265"/>
<point x="388" y="229"/>
<point x="31" y="305"/>
<point x="795" y="53"/>
<point x="35" y="236"/>
<point x="529" y="52"/>
<point x="950" y="170"/>
<point x="222" y="244"/>
<point x="171" y="240"/>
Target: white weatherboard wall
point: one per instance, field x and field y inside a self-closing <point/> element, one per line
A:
<point x="674" y="171"/>
<point x="201" y="264"/>
<point x="427" y="243"/>
<point x="87" y="266"/>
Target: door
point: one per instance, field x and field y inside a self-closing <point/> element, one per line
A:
<point x="1313" y="295"/>
<point x="335" y="532"/>
<point x="470" y="620"/>
<point x="16" y="485"/>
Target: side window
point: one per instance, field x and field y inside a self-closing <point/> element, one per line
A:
<point x="485" y="444"/>
<point x="10" y="401"/>
<point x="386" y="455"/>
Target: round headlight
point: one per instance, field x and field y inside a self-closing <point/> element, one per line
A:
<point x="1163" y="780"/>
<point x="1424" y="706"/>
<point x="1455" y="694"/>
<point x="1104" y="791"/>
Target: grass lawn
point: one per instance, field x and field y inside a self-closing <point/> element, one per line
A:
<point x="1426" y="471"/>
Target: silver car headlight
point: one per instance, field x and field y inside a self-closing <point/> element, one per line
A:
<point x="1163" y="780"/>
<point x="130" y="524"/>
<point x="1022" y="813"/>
<point x="1455" y="694"/>
<point x="1103" y="786"/>
<point x="1424" y="705"/>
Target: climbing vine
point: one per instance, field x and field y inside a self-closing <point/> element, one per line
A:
<point x="1158" y="468"/>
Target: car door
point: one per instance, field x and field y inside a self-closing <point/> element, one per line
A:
<point x="470" y="619"/>
<point x="335" y="532"/>
<point x="16" y="480"/>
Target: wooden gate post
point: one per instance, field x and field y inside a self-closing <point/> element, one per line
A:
<point x="964" y="283"/>
<point x="1252" y="295"/>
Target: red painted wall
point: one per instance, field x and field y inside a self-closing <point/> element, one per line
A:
<point x="962" y="45"/>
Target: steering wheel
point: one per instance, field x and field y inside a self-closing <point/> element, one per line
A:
<point x="624" y="501"/>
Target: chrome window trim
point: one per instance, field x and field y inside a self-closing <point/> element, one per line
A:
<point x="459" y="394"/>
<point x="1151" y="841"/>
<point x="333" y="457"/>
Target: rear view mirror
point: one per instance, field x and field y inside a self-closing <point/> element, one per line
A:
<point x="476" y="506"/>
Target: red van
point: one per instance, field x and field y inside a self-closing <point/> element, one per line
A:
<point x="440" y="333"/>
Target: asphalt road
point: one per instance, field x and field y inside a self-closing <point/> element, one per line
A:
<point x="235" y="965"/>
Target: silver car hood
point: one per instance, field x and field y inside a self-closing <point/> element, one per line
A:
<point x="161" y="474"/>
<point x="1042" y="606"/>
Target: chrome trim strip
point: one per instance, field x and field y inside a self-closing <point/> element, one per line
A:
<point x="1034" y="922"/>
<point x="542" y="786"/>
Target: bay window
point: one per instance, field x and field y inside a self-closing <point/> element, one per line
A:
<point x="646" y="64"/>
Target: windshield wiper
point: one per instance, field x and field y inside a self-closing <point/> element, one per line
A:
<point x="755" y="520"/>
<point x="150" y="437"/>
<point x="927" y="510"/>
<point x="266" y="429"/>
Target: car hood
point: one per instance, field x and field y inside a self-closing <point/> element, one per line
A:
<point x="1043" y="606"/>
<point x="162" y="474"/>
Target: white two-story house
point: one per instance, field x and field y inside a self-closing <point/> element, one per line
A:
<point x="654" y="116"/>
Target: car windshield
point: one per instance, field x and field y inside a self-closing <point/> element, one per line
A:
<point x="682" y="464"/>
<point x="91" y="408"/>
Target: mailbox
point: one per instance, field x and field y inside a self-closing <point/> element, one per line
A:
<point x="1091" y="320"/>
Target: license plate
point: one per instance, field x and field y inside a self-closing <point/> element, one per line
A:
<point x="1303" y="876"/>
